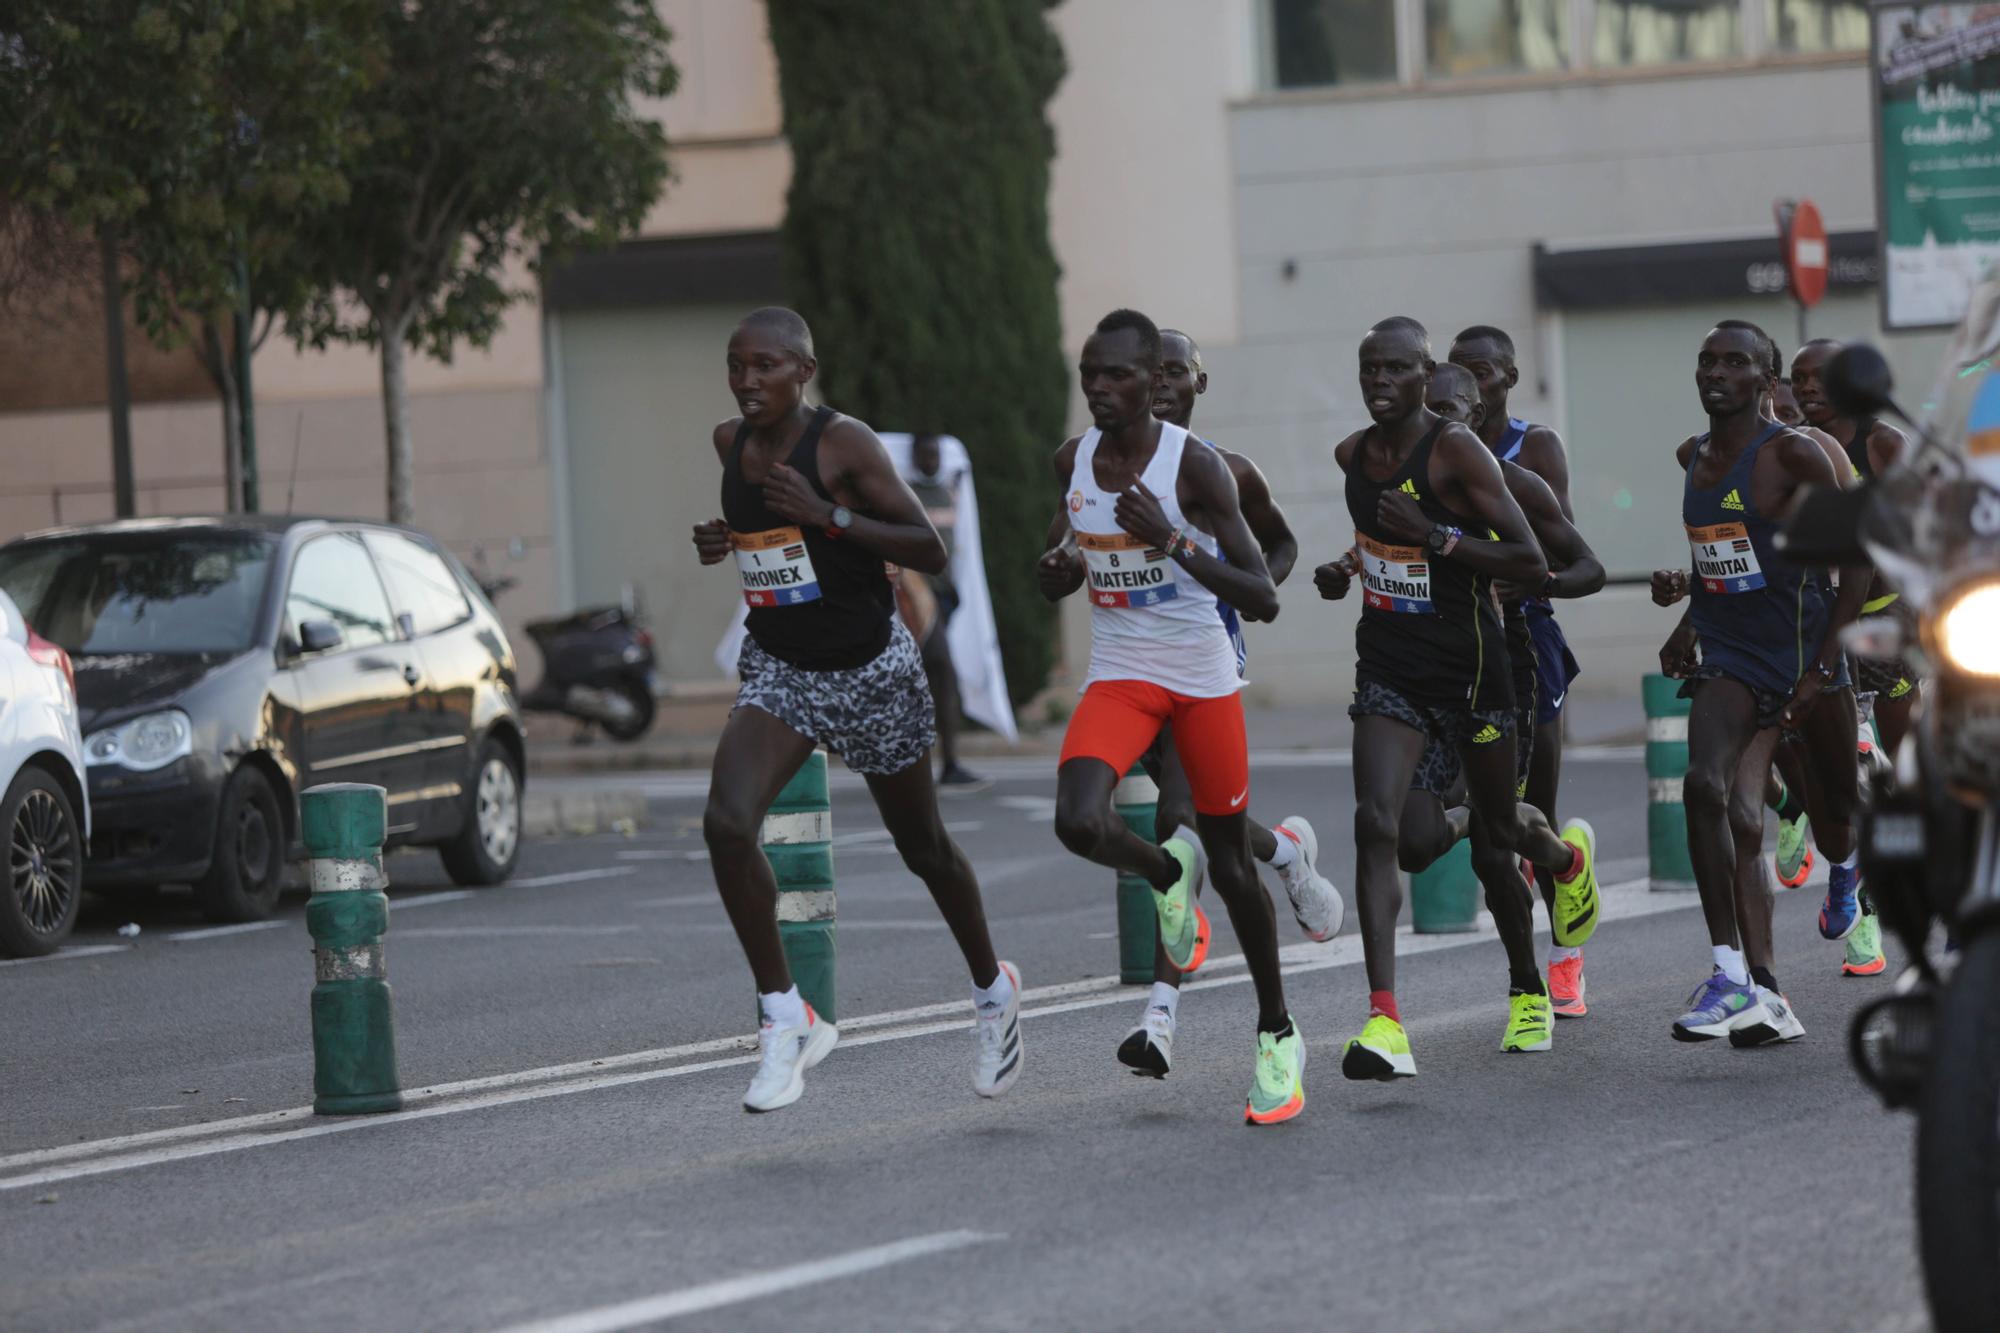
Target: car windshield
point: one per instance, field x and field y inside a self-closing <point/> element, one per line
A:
<point x="165" y="592"/>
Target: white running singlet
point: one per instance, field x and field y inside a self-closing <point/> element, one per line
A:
<point x="1150" y="619"/>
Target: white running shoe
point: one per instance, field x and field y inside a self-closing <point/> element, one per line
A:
<point x="788" y="1053"/>
<point x="1316" y="904"/>
<point x="1149" y="1048"/>
<point x="1768" y="1022"/>
<point x="999" y="1031"/>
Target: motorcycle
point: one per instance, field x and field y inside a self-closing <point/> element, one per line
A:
<point x="598" y="667"/>
<point x="1930" y="838"/>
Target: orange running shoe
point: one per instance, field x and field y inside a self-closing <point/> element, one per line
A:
<point x="1566" y="988"/>
<point x="1200" y="954"/>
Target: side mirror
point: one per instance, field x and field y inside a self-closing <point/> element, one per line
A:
<point x="1860" y="384"/>
<point x="319" y="636"/>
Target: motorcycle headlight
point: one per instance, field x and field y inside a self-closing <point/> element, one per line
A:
<point x="144" y="743"/>
<point x="1969" y="630"/>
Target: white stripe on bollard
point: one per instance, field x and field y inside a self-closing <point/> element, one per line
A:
<point x="1137" y="789"/>
<point x="344" y="875"/>
<point x="806" y="905"/>
<point x="799" y="826"/>
<point x="1667" y="728"/>
<point x="1664" y="791"/>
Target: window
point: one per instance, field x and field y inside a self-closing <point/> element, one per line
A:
<point x="420" y="582"/>
<point x="1315" y="43"/>
<point x="1667" y="32"/>
<point x="1817" y="25"/>
<point x="172" y="592"/>
<point x="1495" y="36"/>
<point x="335" y="580"/>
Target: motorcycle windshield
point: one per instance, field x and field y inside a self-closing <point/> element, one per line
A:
<point x="1962" y="411"/>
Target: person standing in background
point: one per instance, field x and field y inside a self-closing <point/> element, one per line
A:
<point x="939" y="496"/>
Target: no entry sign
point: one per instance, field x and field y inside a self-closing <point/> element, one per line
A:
<point x="1805" y="251"/>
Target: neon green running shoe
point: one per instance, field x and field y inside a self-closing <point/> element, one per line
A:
<point x="1178" y="933"/>
<point x="1279" y="1091"/>
<point x="1795" y="857"/>
<point x="1576" y="897"/>
<point x="1530" y="1024"/>
<point x="1381" y="1052"/>
<point x="1864" y="949"/>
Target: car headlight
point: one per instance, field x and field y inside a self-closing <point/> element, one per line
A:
<point x="144" y="743"/>
<point x="1969" y="630"/>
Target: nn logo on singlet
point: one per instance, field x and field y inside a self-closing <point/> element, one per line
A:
<point x="1733" y="500"/>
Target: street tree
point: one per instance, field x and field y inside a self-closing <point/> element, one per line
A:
<point x="916" y="242"/>
<point x="501" y="132"/>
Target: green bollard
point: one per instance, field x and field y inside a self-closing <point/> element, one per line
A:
<point x="1137" y="801"/>
<point x="354" y="1033"/>
<point x="798" y="840"/>
<point x="1668" y="864"/>
<point x="1445" y="895"/>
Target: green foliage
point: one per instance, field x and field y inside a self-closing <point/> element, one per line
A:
<point x="916" y="243"/>
<point x="499" y="128"/>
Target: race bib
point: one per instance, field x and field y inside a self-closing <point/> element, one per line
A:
<point x="1724" y="559"/>
<point x="775" y="568"/>
<point x="1126" y="572"/>
<point x="1395" y="578"/>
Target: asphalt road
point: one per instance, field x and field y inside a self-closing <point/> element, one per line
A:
<point x="574" y="1046"/>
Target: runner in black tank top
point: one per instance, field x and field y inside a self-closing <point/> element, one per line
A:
<point x="814" y="512"/>
<point x="1433" y="663"/>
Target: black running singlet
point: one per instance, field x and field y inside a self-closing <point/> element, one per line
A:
<point x="1429" y="629"/>
<point x="816" y="602"/>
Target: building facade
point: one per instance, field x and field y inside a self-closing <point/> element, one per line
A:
<point x="1596" y="176"/>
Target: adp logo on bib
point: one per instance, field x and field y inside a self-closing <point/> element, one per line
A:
<point x="774" y="567"/>
<point x="1124" y="571"/>
<point x="1724" y="559"/>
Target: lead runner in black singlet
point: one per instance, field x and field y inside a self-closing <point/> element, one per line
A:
<point x="1434" y="525"/>
<point x="813" y="513"/>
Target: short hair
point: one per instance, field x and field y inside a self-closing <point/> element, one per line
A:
<point x="1486" y="333"/>
<point x="1451" y="370"/>
<point x="1149" y="332"/>
<point x="1767" y="350"/>
<point x="1404" y="324"/>
<point x="788" y="326"/>
<point x="1194" y="348"/>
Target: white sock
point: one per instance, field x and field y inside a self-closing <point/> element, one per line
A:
<point x="1288" y="849"/>
<point x="1853" y="860"/>
<point x="997" y="994"/>
<point x="1732" y="965"/>
<point x="784" y="1009"/>
<point x="1166" y="997"/>
<point x="1559" y="953"/>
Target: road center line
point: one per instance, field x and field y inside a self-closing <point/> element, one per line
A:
<point x="63" y="955"/>
<point x="569" y="877"/>
<point x="216" y="932"/>
<point x="751" y="1286"/>
<point x="429" y="899"/>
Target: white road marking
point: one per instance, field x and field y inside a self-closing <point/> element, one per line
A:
<point x="751" y="1286"/>
<point x="430" y="899"/>
<point x="506" y="932"/>
<point x="60" y="955"/>
<point x="1036" y="808"/>
<point x="215" y="932"/>
<point x="569" y="877"/>
<point x="1621" y="902"/>
<point x="698" y="854"/>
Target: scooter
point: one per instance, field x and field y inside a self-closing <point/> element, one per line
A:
<point x="1930" y="839"/>
<point x="597" y="666"/>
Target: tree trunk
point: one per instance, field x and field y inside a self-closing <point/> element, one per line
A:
<point x="118" y="390"/>
<point x="396" y="419"/>
<point x="215" y="359"/>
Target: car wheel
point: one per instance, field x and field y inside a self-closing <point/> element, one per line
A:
<point x="488" y="843"/>
<point x="44" y="880"/>
<point x="635" y="724"/>
<point x="246" y="870"/>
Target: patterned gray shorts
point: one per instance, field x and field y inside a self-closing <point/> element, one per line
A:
<point x="1445" y="730"/>
<point x="878" y="718"/>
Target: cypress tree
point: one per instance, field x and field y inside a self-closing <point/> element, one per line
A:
<point x="916" y="243"/>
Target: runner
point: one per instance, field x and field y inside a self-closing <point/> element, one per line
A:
<point x="1785" y="405"/>
<point x="939" y="496"/>
<point x="1489" y="354"/>
<point x="1769" y="636"/>
<point x="1432" y="665"/>
<point x="1575" y="571"/>
<point x="1292" y="849"/>
<point x="1146" y="518"/>
<point x="812" y="509"/>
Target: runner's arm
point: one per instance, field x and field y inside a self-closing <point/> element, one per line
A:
<point x="1575" y="570"/>
<point x="1677" y="656"/>
<point x="1060" y="570"/>
<point x="1266" y="520"/>
<point x="1481" y="492"/>
<point x="1240" y="578"/>
<point x="711" y="539"/>
<point x="1886" y="446"/>
<point x="1807" y="463"/>
<point x="1543" y="454"/>
<point x="889" y="520"/>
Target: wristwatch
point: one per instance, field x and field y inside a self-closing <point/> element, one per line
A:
<point x="1825" y="672"/>
<point x="839" y="521"/>
<point x="1442" y="538"/>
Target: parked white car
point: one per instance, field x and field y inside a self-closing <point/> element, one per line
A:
<point x="45" y="813"/>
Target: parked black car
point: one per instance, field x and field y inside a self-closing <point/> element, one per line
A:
<point x="223" y="665"/>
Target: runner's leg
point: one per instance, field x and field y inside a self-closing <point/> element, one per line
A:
<point x="1227" y="838"/>
<point x="1753" y="897"/>
<point x="909" y="806"/>
<point x="1722" y="724"/>
<point x="1490" y="785"/>
<point x="1385" y="759"/>
<point x="756" y="756"/>
<point x="1830" y="736"/>
<point x="1111" y="728"/>
<point x="1544" y="778"/>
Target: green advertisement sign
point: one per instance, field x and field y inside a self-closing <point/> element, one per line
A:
<point x="1936" y="73"/>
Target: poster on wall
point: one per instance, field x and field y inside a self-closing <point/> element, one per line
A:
<point x="1936" y="75"/>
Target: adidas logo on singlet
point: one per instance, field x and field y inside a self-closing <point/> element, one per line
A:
<point x="1409" y="487"/>
<point x="1733" y="500"/>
